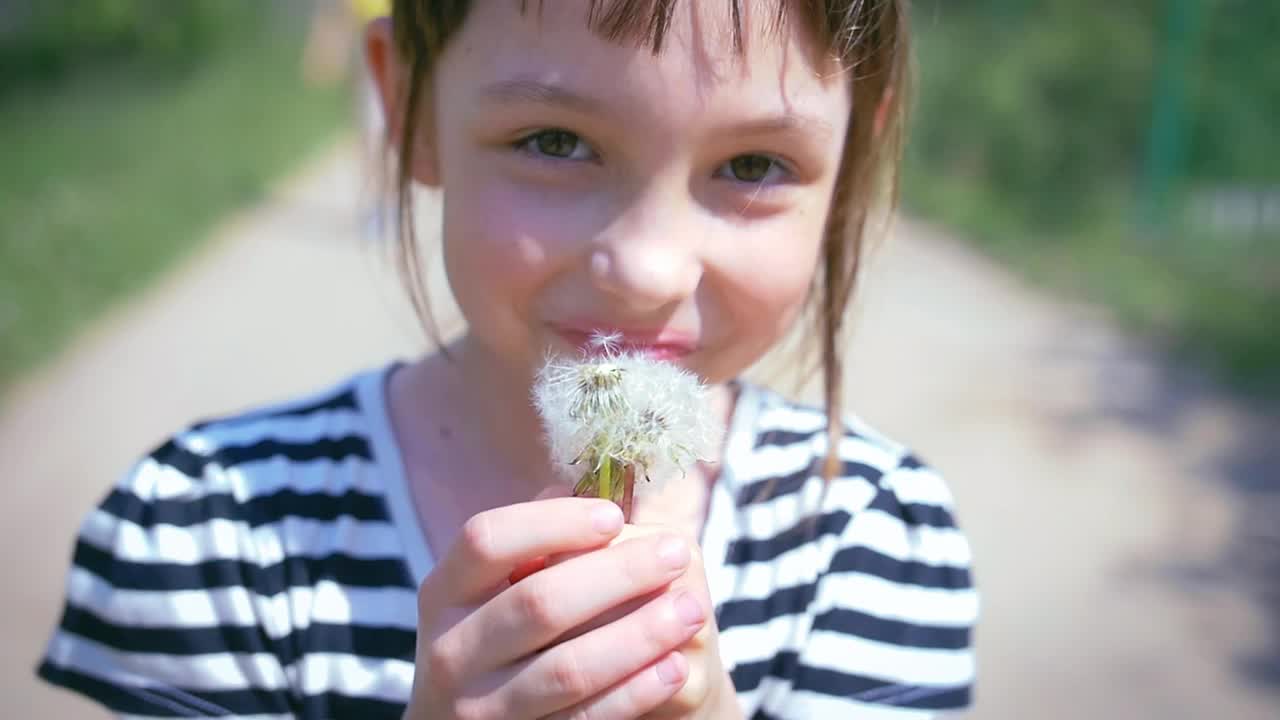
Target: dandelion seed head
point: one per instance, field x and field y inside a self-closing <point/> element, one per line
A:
<point x="599" y="390"/>
<point x="647" y="414"/>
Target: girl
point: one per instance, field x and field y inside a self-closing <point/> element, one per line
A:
<point x="684" y="175"/>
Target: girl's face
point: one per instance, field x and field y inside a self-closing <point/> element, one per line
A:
<point x="679" y="199"/>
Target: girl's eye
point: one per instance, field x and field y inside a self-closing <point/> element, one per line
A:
<point x="753" y="169"/>
<point x="559" y="144"/>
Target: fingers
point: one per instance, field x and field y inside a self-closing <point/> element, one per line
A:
<point x="629" y="532"/>
<point x="493" y="542"/>
<point x="635" y="696"/>
<point x="529" y="567"/>
<point x="543" y="607"/>
<point x="574" y="671"/>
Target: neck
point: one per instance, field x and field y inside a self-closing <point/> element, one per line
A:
<point x="490" y="403"/>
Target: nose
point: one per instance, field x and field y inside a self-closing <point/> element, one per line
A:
<point x="650" y="256"/>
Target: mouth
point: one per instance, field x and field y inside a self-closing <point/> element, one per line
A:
<point x="600" y="340"/>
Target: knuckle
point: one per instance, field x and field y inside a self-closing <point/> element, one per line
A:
<point x="535" y="605"/>
<point x="695" y="548"/>
<point x="659" y="631"/>
<point x="566" y="679"/>
<point x="442" y="664"/>
<point x="477" y="538"/>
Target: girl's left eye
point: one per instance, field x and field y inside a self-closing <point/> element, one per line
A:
<point x="556" y="144"/>
<point x="754" y="169"/>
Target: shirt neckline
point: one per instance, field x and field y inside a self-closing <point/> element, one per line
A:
<point x="389" y="463"/>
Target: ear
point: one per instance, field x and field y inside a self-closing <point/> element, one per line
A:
<point x="882" y="110"/>
<point x="391" y="76"/>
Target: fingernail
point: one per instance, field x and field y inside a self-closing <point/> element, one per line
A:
<point x="671" y="670"/>
<point x="607" y="518"/>
<point x="674" y="553"/>
<point x="688" y="609"/>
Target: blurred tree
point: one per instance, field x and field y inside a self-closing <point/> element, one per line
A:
<point x="1166" y="140"/>
<point x="43" y="41"/>
<point x="1050" y="105"/>
<point x="1037" y="105"/>
<point x="1043" y="129"/>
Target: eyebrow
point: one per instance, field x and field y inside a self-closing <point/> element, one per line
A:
<point x="785" y="122"/>
<point x="528" y="90"/>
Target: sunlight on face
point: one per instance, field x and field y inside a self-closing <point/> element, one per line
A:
<point x="591" y="185"/>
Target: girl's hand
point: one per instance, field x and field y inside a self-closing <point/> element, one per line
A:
<point x="707" y="692"/>
<point x="489" y="649"/>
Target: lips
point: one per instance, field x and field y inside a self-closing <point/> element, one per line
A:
<point x="665" y="344"/>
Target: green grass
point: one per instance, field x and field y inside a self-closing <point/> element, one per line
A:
<point x="110" y="178"/>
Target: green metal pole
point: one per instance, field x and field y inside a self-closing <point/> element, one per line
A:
<point x="1166" y="140"/>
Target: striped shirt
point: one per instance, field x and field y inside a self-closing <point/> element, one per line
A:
<point x="266" y="565"/>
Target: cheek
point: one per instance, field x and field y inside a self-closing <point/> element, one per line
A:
<point x="499" y="245"/>
<point x="761" y="284"/>
<point x="485" y="240"/>
<point x="771" y="276"/>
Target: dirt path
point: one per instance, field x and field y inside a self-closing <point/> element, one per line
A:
<point x="1123" y="517"/>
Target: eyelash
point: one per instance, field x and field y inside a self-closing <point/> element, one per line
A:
<point x="527" y="145"/>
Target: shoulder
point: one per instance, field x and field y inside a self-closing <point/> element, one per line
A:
<point x="230" y="502"/>
<point x="786" y="443"/>
<point x="206" y="541"/>
<point x="281" y="449"/>
<point x="200" y="500"/>
<point x="891" y="603"/>
<point x="884" y="494"/>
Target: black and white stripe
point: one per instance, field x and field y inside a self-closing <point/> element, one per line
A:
<point x="867" y="611"/>
<point x="259" y="566"/>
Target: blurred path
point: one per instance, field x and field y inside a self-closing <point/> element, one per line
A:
<point x="1125" y="515"/>
<point x="281" y="301"/>
<point x="1119" y="513"/>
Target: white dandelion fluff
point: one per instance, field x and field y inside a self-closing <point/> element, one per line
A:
<point x="622" y="412"/>
<point x="607" y="342"/>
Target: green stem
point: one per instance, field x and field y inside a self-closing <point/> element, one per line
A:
<point x="606" y="478"/>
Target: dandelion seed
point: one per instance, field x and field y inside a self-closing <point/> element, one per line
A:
<point x="606" y="342"/>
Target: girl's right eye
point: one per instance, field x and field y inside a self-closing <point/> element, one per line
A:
<point x="557" y="144"/>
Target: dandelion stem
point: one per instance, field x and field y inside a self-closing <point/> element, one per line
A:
<point x="606" y="478"/>
<point x="628" y="492"/>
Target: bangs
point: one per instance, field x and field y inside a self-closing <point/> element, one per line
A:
<point x="840" y="27"/>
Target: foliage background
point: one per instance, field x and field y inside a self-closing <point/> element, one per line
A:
<point x="1125" y="152"/>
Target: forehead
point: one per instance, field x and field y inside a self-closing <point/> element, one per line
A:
<point x="707" y="53"/>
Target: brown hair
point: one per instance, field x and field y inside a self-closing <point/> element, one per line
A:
<point x="870" y="42"/>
